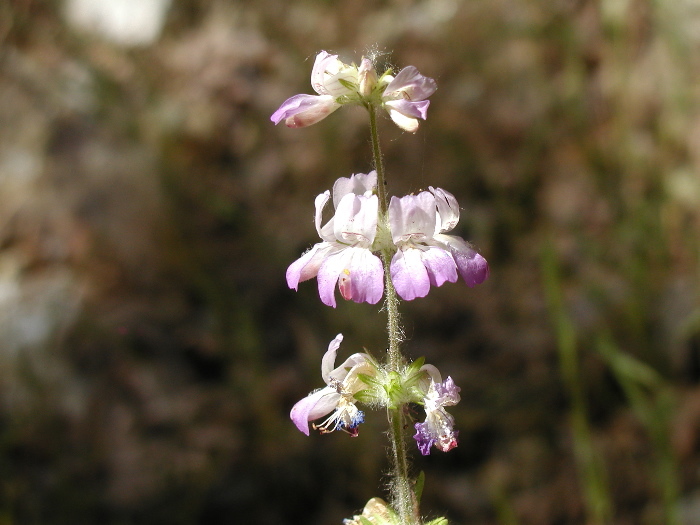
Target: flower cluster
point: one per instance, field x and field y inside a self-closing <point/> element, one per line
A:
<point x="403" y="96"/>
<point x="413" y="234"/>
<point x="361" y="379"/>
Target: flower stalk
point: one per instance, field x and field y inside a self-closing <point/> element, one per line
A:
<point x="403" y="498"/>
<point x="378" y="246"/>
<point x="378" y="160"/>
<point x="391" y="302"/>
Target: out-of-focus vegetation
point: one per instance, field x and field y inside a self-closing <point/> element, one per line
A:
<point x="150" y="349"/>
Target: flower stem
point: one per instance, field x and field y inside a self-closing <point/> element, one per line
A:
<point x="378" y="161"/>
<point x="403" y="497"/>
<point x="392" y="300"/>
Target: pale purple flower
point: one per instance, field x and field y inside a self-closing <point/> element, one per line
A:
<point x="344" y="258"/>
<point x="437" y="430"/>
<point x="405" y="98"/>
<point x="330" y="78"/>
<point x="425" y="255"/>
<point x="470" y="264"/>
<point x="417" y="264"/>
<point x="336" y="398"/>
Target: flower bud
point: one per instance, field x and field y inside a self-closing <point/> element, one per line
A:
<point x="378" y="512"/>
<point x="367" y="76"/>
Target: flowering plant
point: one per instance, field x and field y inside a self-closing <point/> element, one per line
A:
<point x="373" y="247"/>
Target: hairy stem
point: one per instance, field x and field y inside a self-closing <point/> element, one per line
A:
<point x="403" y="497"/>
<point x="392" y="300"/>
<point x="378" y="161"/>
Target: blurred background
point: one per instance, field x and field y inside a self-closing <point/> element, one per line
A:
<point x="150" y="350"/>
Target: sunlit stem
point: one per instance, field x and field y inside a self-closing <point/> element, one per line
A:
<point x="378" y="161"/>
<point x="392" y="300"/>
<point x="403" y="496"/>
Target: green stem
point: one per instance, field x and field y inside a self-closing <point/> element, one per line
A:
<point x="391" y="304"/>
<point x="378" y="161"/>
<point x="392" y="300"/>
<point x="403" y="497"/>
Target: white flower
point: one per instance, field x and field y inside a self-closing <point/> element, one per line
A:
<point x="344" y="257"/>
<point x="336" y="398"/>
<point x="331" y="79"/>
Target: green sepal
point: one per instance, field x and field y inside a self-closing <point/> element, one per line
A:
<point x="365" y="396"/>
<point x="347" y="84"/>
<point x="394" y="389"/>
<point x="389" y="71"/>
<point x="437" y="521"/>
<point x="413" y="373"/>
<point x="412" y="376"/>
<point x="365" y="521"/>
<point x="416" y="365"/>
<point x="367" y="380"/>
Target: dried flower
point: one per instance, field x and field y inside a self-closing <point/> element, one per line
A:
<point x="438" y="428"/>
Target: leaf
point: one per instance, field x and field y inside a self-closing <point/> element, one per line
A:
<point x="418" y="486"/>
<point x="628" y="366"/>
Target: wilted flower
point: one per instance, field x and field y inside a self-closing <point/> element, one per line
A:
<point x="337" y="83"/>
<point x="425" y="255"/>
<point x="336" y="398"/>
<point x="438" y="426"/>
<point x="344" y="257"/>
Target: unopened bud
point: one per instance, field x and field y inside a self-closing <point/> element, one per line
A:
<point x="367" y="76"/>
